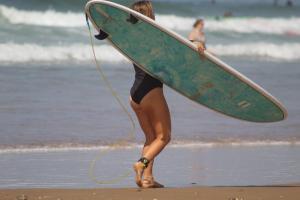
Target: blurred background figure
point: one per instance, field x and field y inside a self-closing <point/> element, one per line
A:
<point x="228" y="14"/>
<point x="197" y="35"/>
<point x="289" y="3"/>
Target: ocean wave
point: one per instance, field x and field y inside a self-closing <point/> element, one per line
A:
<point x="64" y="148"/>
<point x="20" y="53"/>
<point x="42" y="18"/>
<point x="281" y="52"/>
<point x="288" y="26"/>
<point x="127" y="146"/>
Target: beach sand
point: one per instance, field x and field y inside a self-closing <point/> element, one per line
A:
<point x="207" y="193"/>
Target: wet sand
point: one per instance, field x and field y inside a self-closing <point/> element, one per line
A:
<point x="226" y="193"/>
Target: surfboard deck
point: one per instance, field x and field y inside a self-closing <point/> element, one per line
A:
<point x="175" y="61"/>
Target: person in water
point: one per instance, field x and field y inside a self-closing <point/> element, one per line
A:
<point x="197" y="35"/>
<point x="150" y="106"/>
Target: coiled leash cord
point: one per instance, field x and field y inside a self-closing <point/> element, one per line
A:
<point x="131" y="135"/>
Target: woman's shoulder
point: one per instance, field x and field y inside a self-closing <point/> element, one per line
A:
<point x="192" y="35"/>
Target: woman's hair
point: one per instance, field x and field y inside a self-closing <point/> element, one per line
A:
<point x="197" y="22"/>
<point x="144" y="7"/>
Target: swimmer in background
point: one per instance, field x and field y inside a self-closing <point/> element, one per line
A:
<point x="197" y="35"/>
<point x="289" y="3"/>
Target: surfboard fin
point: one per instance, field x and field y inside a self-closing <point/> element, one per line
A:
<point x="132" y="19"/>
<point x="101" y="36"/>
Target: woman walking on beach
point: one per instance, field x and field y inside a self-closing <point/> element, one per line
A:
<point x="149" y="104"/>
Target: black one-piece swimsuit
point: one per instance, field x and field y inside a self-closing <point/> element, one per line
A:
<point x="142" y="85"/>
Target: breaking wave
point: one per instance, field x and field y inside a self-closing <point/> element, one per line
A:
<point x="177" y="144"/>
<point x="289" y="26"/>
<point x="286" y="26"/>
<point x="282" y="52"/>
<point x="42" y="18"/>
<point x="18" y="53"/>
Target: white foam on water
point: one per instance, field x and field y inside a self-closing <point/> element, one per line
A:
<point x="20" y="53"/>
<point x="64" y="148"/>
<point x="233" y="144"/>
<point x="129" y="146"/>
<point x="54" y="18"/>
<point x="280" y="52"/>
<point x="42" y="18"/>
<point x="288" y="26"/>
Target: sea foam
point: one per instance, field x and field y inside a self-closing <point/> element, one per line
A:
<point x="52" y="18"/>
<point x="175" y="144"/>
<point x="17" y="53"/>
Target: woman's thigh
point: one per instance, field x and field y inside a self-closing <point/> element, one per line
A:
<point x="144" y="121"/>
<point x="156" y="107"/>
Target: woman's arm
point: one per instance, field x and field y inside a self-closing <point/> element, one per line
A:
<point x="201" y="48"/>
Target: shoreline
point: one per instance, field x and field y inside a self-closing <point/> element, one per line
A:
<point x="221" y="166"/>
<point x="289" y="192"/>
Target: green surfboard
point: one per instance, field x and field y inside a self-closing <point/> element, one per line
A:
<point x="175" y="61"/>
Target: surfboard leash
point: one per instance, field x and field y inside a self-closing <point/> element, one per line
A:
<point x="131" y="135"/>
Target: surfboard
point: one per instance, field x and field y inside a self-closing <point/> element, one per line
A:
<point x="175" y="61"/>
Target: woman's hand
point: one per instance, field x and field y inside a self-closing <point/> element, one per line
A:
<point x="201" y="49"/>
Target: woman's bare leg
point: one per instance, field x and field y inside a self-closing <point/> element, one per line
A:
<point x="154" y="117"/>
<point x="145" y="124"/>
<point x="157" y="109"/>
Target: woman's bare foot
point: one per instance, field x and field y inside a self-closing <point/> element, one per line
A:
<point x="149" y="182"/>
<point x="139" y="170"/>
